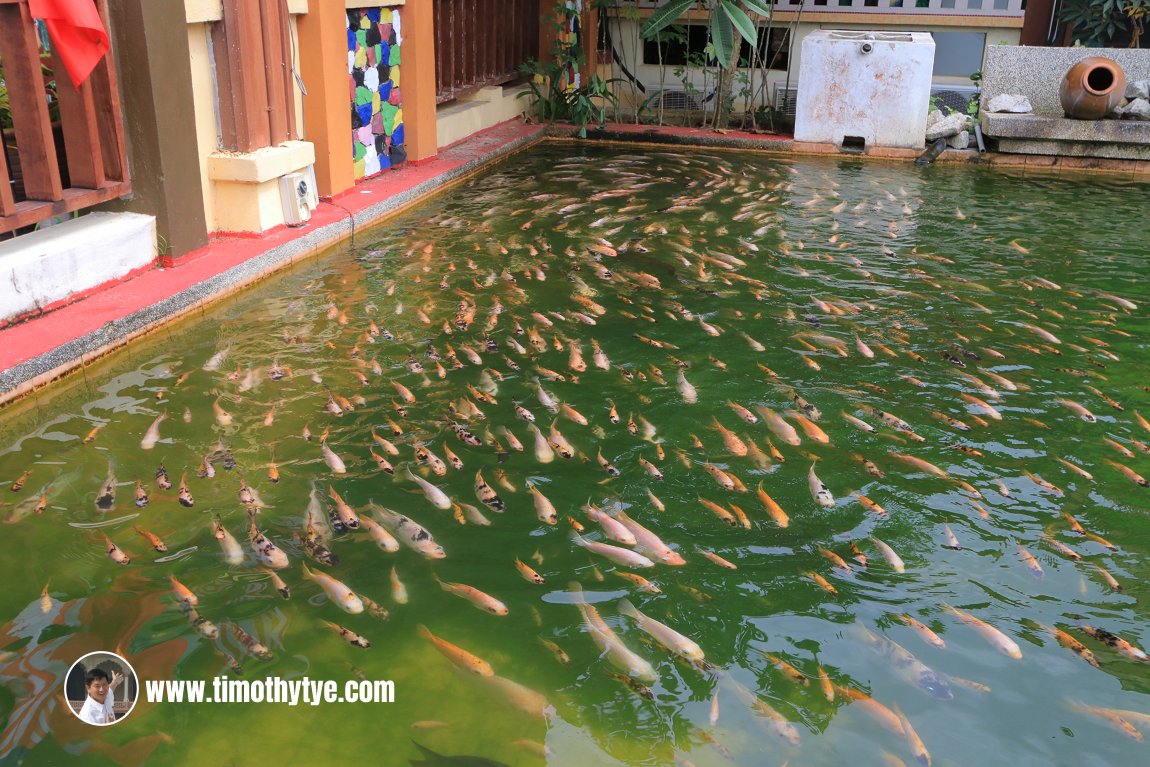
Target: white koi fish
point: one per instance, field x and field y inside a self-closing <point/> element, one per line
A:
<point x="437" y="497"/>
<point x="649" y="544"/>
<point x="619" y="655"/>
<point x="543" y="451"/>
<point x="408" y="532"/>
<point x="661" y="633"/>
<point x="233" y="552"/>
<point x="819" y="491"/>
<point x="612" y="528"/>
<point x="620" y="556"/>
<point x="687" y="391"/>
<point x="380" y="535"/>
<point x="544" y="510"/>
<point x="152" y="435"/>
<point x="337" y="591"/>
<point x="334" y="462"/>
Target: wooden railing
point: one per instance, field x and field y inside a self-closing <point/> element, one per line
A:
<point x="1004" y="8"/>
<point x="63" y="169"/>
<point x="482" y="42"/>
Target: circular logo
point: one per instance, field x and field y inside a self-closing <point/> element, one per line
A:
<point x="101" y="688"/>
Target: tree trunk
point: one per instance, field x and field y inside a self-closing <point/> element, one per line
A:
<point x="726" y="85"/>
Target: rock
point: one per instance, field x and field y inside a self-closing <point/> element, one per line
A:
<point x="1138" y="109"/>
<point x="948" y="125"/>
<point x="1138" y="89"/>
<point x="960" y="140"/>
<point x="1009" y="102"/>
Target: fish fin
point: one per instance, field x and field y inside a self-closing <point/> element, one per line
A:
<point x="428" y="755"/>
<point x="628" y="609"/>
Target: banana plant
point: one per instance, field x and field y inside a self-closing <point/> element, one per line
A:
<point x="726" y="18"/>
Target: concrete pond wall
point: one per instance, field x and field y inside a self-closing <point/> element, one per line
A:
<point x="1037" y="72"/>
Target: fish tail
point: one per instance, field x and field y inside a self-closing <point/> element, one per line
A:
<point x="628" y="609"/>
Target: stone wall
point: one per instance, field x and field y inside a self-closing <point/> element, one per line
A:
<point x="1037" y="72"/>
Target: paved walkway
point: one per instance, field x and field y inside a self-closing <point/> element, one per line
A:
<point x="41" y="348"/>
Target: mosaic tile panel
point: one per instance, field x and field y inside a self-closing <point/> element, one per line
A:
<point x="571" y="35"/>
<point x="374" y="39"/>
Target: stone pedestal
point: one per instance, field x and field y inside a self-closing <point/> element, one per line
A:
<point x="1038" y="134"/>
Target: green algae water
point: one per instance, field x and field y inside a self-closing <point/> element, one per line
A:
<point x="990" y="347"/>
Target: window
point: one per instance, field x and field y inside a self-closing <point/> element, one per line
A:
<point x="680" y="40"/>
<point x="958" y="53"/>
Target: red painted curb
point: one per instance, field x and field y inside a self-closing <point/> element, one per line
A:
<point x="83" y="313"/>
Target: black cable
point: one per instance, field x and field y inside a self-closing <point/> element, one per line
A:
<point x="605" y="34"/>
<point x="350" y="217"/>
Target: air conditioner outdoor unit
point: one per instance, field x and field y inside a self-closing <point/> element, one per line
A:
<point x="679" y="98"/>
<point x="785" y="99"/>
<point x="298" y="196"/>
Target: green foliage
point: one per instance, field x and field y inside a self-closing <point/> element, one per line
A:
<point x="722" y="37"/>
<point x="589" y="103"/>
<point x="972" y="105"/>
<point x="581" y="106"/>
<point x="664" y="16"/>
<point x="1098" y="22"/>
<point x="726" y="18"/>
<point x="5" y="106"/>
<point x="763" y="9"/>
<point x="555" y="98"/>
<point x="739" y="20"/>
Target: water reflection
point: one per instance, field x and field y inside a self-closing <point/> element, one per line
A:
<point x="625" y="301"/>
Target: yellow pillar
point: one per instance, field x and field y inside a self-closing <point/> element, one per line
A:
<point x="419" y="79"/>
<point x="326" y="107"/>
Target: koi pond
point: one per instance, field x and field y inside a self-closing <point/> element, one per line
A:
<point x="620" y="457"/>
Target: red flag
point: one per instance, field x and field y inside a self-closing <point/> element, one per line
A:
<point x="77" y="34"/>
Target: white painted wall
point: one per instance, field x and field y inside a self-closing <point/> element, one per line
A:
<point x="625" y="33"/>
<point x="47" y="266"/>
<point x="489" y="106"/>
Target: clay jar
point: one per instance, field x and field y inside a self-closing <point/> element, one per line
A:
<point x="1092" y="88"/>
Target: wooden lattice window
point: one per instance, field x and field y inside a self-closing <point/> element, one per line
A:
<point x="253" y="56"/>
<point x="53" y="166"/>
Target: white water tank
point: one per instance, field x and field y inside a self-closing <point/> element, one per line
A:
<point x="861" y="89"/>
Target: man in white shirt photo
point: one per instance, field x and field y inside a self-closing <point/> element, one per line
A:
<point x="97" y="708"/>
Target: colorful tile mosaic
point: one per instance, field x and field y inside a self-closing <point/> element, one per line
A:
<point x="374" y="39"/>
<point x="570" y="35"/>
